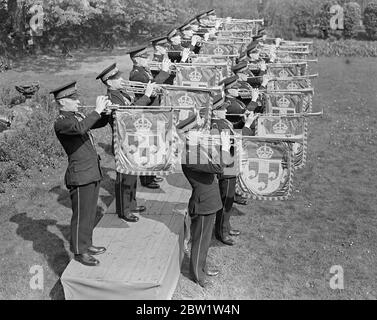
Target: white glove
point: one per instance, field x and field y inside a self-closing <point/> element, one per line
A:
<point x="185" y="54"/>
<point x="195" y="39"/>
<point x="225" y="140"/>
<point x="166" y="63"/>
<point x="254" y="94"/>
<point x="149" y="89"/>
<point x="101" y="104"/>
<point x="266" y="80"/>
<point x="277" y="42"/>
<point x="206" y="36"/>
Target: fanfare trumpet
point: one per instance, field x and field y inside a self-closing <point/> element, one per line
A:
<point x="246" y="94"/>
<point x="155" y="66"/>
<point x="139" y="88"/>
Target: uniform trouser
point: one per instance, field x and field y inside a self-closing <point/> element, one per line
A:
<point x="84" y="207"/>
<point x="145" y="180"/>
<point x="201" y="234"/>
<point x="227" y="190"/>
<point x="125" y="193"/>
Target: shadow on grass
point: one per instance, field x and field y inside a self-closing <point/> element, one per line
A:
<point x="46" y="243"/>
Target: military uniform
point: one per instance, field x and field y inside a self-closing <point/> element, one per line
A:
<point x="204" y="202"/>
<point x="144" y="75"/>
<point x="83" y="174"/>
<point x="125" y="184"/>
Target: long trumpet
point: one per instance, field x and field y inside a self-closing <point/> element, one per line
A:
<point x="246" y="94"/>
<point x="140" y="87"/>
<point x="154" y="65"/>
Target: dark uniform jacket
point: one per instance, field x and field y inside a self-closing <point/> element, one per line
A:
<point x="72" y="130"/>
<point x="143" y="75"/>
<point x="205" y="198"/>
<point x="121" y="98"/>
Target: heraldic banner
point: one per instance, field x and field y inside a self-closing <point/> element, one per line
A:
<point x="288" y="70"/>
<point x="266" y="170"/>
<point x="197" y="76"/>
<point x="200" y="101"/>
<point x="144" y="142"/>
<point x="286" y="127"/>
<point x="288" y="103"/>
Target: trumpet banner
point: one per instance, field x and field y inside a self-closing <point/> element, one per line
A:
<point x="266" y="170"/>
<point x="284" y="127"/>
<point x="288" y="70"/>
<point x="288" y="103"/>
<point x="291" y="84"/>
<point x="218" y="49"/>
<point x="224" y="64"/>
<point x="144" y="142"/>
<point x="200" y="101"/>
<point x="197" y="76"/>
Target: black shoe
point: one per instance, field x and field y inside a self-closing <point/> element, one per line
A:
<point x="86" y="259"/>
<point x="227" y="240"/>
<point x="240" y="200"/>
<point x="158" y="179"/>
<point x="212" y="272"/>
<point x="96" y="250"/>
<point x="205" y="283"/>
<point x="139" y="209"/>
<point x="234" y="233"/>
<point x="129" y="218"/>
<point x="153" y="185"/>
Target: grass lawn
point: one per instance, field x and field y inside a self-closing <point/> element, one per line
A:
<point x="286" y="249"/>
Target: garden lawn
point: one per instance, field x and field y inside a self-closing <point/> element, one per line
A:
<point x="285" y="250"/>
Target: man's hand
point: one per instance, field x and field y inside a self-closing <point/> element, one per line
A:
<point x="277" y="42"/>
<point x="206" y="36"/>
<point x="254" y="94"/>
<point x="150" y="89"/>
<point x="195" y="39"/>
<point x="263" y="66"/>
<point x="218" y="24"/>
<point x="233" y="92"/>
<point x="250" y="119"/>
<point x="166" y="64"/>
<point x="185" y="54"/>
<point x="266" y="79"/>
<point x="225" y="140"/>
<point x="101" y="104"/>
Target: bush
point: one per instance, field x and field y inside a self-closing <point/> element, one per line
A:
<point x="324" y="17"/>
<point x="9" y="171"/>
<point x="370" y="20"/>
<point x="36" y="145"/>
<point x="345" y="48"/>
<point x="352" y="17"/>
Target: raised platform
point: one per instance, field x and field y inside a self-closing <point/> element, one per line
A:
<point x="143" y="259"/>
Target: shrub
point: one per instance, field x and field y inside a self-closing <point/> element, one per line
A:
<point x="345" y="48"/>
<point x="9" y="171"/>
<point x="36" y="145"/>
<point x="324" y="17"/>
<point x="370" y="20"/>
<point x="352" y="17"/>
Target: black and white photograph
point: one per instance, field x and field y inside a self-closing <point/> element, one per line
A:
<point x="188" y="150"/>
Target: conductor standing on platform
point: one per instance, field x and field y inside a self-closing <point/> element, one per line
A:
<point x="83" y="174"/>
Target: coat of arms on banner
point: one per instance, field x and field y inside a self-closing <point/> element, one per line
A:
<point x="217" y="49"/>
<point x="199" y="77"/>
<point x="289" y="70"/>
<point x="182" y="97"/>
<point x="287" y="103"/>
<point x="266" y="170"/>
<point x="144" y="143"/>
<point x="291" y="84"/>
<point x="286" y="127"/>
